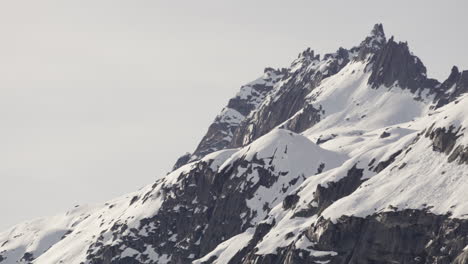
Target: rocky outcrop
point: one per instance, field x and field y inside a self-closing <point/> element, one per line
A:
<point x="445" y="141"/>
<point x="385" y="163"/>
<point x="176" y="228"/>
<point x="395" y="65"/>
<point x="182" y="160"/>
<point x="329" y="193"/>
<point x="455" y="85"/>
<point x="333" y="191"/>
<point x="221" y="131"/>
<point x="410" y="236"/>
<point x="305" y="74"/>
<point x="371" y="44"/>
<point x="244" y="254"/>
<point x="197" y="214"/>
<point x="304" y="119"/>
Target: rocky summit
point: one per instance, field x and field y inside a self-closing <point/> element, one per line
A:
<point x="352" y="157"/>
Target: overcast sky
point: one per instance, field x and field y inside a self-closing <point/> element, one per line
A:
<point x="98" y="98"/>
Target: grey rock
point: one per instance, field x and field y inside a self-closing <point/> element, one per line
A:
<point x="384" y="164"/>
<point x="290" y="99"/>
<point x="326" y="195"/>
<point x="455" y="85"/>
<point x="305" y="119"/>
<point x="410" y="236"/>
<point x="221" y="131"/>
<point x="290" y="201"/>
<point x="444" y="140"/>
<point x="394" y="64"/>
<point x="182" y="160"/>
<point x="372" y="43"/>
<point x="385" y="135"/>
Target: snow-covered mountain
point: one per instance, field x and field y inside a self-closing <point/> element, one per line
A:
<point x="351" y="157"/>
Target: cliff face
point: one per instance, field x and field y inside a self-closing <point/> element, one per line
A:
<point x="351" y="157"/>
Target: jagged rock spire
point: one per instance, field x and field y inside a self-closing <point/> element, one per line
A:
<point x="454" y="73"/>
<point x="376" y="38"/>
<point x="378" y="31"/>
<point x="455" y="85"/>
<point x="394" y="64"/>
<point x="372" y="43"/>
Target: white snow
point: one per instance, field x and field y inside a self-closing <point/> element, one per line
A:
<point x="229" y="115"/>
<point x="427" y="180"/>
<point x="288" y="153"/>
<point x="43" y="237"/>
<point x="129" y="252"/>
<point x="227" y="249"/>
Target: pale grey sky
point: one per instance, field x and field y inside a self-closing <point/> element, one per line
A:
<point x="97" y="98"/>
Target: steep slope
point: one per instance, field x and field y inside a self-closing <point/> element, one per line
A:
<point x="222" y="194"/>
<point x="400" y="199"/>
<point x="221" y="131"/>
<point x="356" y="157"/>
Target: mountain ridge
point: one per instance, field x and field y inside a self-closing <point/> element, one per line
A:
<point x="356" y="157"/>
<point x="375" y="43"/>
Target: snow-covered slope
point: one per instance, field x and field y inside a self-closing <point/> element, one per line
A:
<point x="353" y="157"/>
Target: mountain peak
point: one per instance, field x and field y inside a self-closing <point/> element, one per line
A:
<point x="373" y="42"/>
<point x="454" y="71"/>
<point x="376" y="38"/>
<point x="377" y="31"/>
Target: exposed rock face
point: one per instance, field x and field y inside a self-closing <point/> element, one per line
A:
<point x="409" y="236"/>
<point x="326" y="195"/>
<point x="394" y="64"/>
<point x="399" y="237"/>
<point x="372" y="43"/>
<point x="221" y="131"/>
<point x="180" y="222"/>
<point x="445" y="141"/>
<point x="384" y="164"/>
<point x="305" y="74"/>
<point x="182" y="160"/>
<point x="197" y="214"/>
<point x="303" y="119"/>
<point x="455" y="85"/>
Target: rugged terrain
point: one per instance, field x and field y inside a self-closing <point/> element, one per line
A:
<point x="351" y="157"/>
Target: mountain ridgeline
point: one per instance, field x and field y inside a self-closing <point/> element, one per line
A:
<point x="353" y="157"/>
